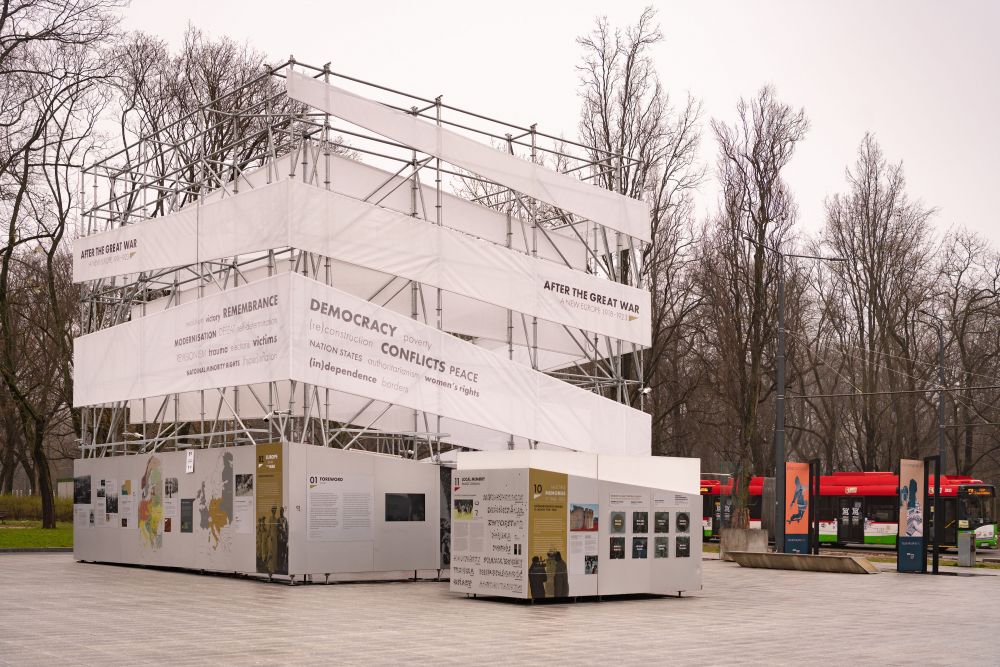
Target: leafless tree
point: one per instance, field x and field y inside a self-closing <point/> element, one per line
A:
<point x="51" y="61"/>
<point x="883" y="235"/>
<point x="738" y="273"/>
<point x="626" y="112"/>
<point x="968" y="280"/>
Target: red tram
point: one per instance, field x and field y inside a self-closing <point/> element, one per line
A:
<point x="862" y="507"/>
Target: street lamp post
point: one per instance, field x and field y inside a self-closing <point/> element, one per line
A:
<point x="939" y="327"/>
<point x="779" y="401"/>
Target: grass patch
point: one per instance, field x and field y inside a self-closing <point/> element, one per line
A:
<point x="710" y="547"/>
<point x="25" y="534"/>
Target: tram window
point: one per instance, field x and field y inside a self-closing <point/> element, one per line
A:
<point x="973" y="508"/>
<point x="882" y="510"/>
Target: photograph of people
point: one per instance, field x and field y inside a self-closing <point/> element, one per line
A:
<point x="536" y="578"/>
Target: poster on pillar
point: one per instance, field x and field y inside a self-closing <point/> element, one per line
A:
<point x="797" y="510"/>
<point x="910" y="537"/>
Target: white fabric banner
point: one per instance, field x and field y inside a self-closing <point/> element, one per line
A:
<point x="235" y="337"/>
<point x="291" y="213"/>
<point x="352" y="345"/>
<point x="352" y="231"/>
<point x="170" y="240"/>
<point x="292" y="327"/>
<point x="165" y="242"/>
<point x="607" y="208"/>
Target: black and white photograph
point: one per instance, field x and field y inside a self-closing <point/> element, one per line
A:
<point x="81" y="490"/>
<point x="405" y="507"/>
<point x="617" y="550"/>
<point x="617" y="522"/>
<point x="683" y="522"/>
<point x="187" y="515"/>
<point x="683" y="546"/>
<point x="661" y="522"/>
<point x="111" y="503"/>
<point x="640" y="522"/>
<point x="640" y="547"/>
<point x="661" y="547"/>
<point x="244" y="484"/>
<point x="171" y="487"/>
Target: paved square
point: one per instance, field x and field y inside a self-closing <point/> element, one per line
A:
<point x="56" y="611"/>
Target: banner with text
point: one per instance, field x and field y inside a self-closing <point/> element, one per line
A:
<point x="349" y="344"/>
<point x="291" y="213"/>
<point x="292" y="327"/>
<point x="235" y="337"/>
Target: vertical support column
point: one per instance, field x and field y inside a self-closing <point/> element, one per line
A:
<point x="534" y="253"/>
<point x="779" y="417"/>
<point x="439" y="218"/>
<point x="534" y="249"/>
<point x="328" y="274"/>
<point x="414" y="287"/>
<point x="936" y="529"/>
<point x="306" y="433"/>
<point x="510" y="312"/>
<point x="942" y="450"/>
<point x="622" y="277"/>
<point x="815" y="470"/>
<point x="270" y="385"/>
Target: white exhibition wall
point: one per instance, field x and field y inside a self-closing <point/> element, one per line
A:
<point x="591" y="535"/>
<point x="351" y="515"/>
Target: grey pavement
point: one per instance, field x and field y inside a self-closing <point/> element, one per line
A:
<point x="56" y="611"/>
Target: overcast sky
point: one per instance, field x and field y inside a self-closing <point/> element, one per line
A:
<point x="924" y="77"/>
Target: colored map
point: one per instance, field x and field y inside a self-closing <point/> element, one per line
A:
<point x="215" y="505"/>
<point x="151" y="504"/>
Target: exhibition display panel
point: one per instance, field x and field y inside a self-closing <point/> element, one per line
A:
<point x="282" y="341"/>
<point x="533" y="525"/>
<point x="288" y="510"/>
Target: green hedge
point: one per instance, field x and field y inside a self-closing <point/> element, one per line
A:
<point x="30" y="507"/>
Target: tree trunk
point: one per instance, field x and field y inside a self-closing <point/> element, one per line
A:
<point x="44" y="475"/>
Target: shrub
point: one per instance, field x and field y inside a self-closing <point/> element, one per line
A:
<point x="30" y="507"/>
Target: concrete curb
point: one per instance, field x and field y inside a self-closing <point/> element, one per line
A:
<point x="804" y="562"/>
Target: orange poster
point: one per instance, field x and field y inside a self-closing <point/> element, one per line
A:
<point x="796" y="498"/>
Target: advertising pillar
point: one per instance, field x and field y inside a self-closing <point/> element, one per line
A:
<point x="911" y="555"/>
<point x="797" y="509"/>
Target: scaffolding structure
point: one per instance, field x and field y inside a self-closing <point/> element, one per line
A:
<point x="257" y="135"/>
